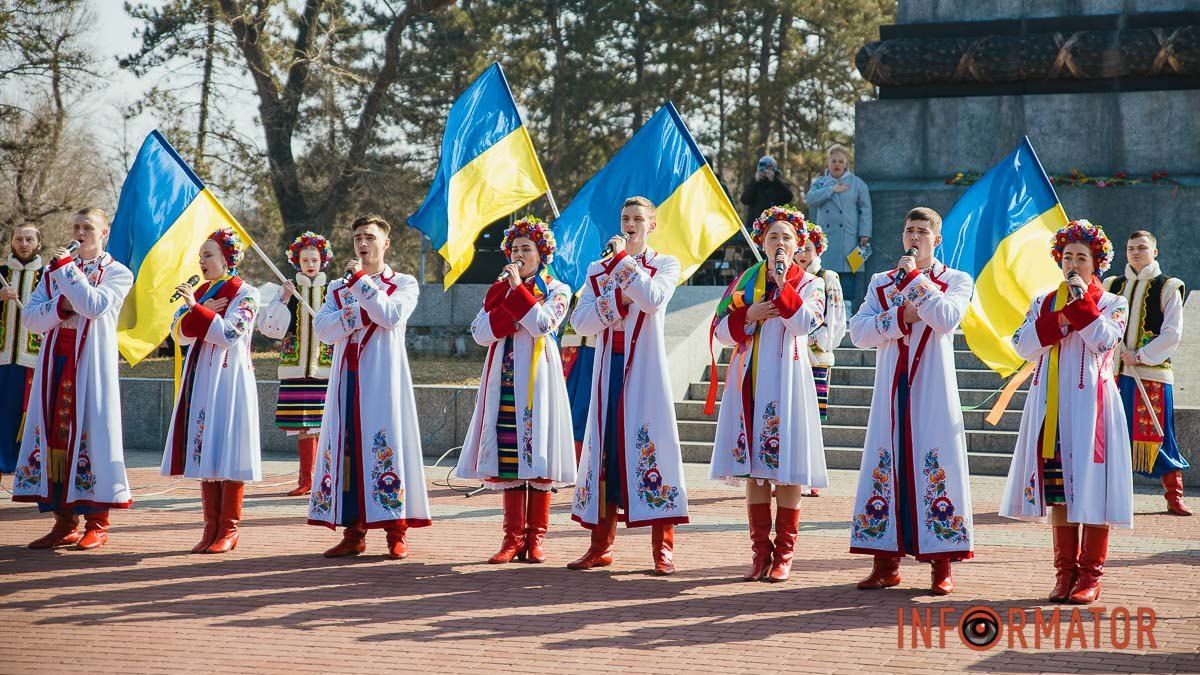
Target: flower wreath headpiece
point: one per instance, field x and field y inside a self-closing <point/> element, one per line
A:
<point x="314" y="240"/>
<point x="231" y="246"/>
<point x="1085" y="232"/>
<point x="536" y="230"/>
<point x="788" y="214"/>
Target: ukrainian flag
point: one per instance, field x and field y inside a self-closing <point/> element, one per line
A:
<point x="164" y="214"/>
<point x="999" y="232"/>
<point x="488" y="169"/>
<point x="662" y="163"/>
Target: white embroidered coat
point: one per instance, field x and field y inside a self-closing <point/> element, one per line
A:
<point x="219" y="428"/>
<point x="937" y="474"/>
<point x="546" y="447"/>
<point x="372" y="311"/>
<point x="780" y="439"/>
<point x="97" y="453"/>
<point x="1089" y="408"/>
<point x="827" y="337"/>
<point x="653" y="459"/>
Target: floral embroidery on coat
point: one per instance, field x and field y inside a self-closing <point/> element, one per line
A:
<point x="243" y="318"/>
<point x="741" y="452"/>
<point x="30" y="475"/>
<point x="527" y="436"/>
<point x="386" y="487"/>
<point x="198" y="439"/>
<point x="1030" y="490"/>
<point x="322" y="500"/>
<point x="940" y="517"/>
<point x="650" y="487"/>
<point x="85" y="479"/>
<point x="583" y="492"/>
<point x="768" y="438"/>
<point x="872" y="521"/>
<point x="625" y="271"/>
<point x="884" y="321"/>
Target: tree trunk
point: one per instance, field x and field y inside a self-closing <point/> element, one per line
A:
<point x="210" y="38"/>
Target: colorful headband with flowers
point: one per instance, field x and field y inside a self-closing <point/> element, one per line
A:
<point x="310" y="239"/>
<point x="817" y="236"/>
<point x="535" y="230"/>
<point x="1083" y="231"/>
<point x="787" y="214"/>
<point x="232" y="248"/>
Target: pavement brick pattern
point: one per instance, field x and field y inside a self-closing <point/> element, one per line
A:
<point x="143" y="604"/>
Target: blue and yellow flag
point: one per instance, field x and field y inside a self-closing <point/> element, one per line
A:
<point x="165" y="213"/>
<point x="662" y="163"/>
<point x="488" y="169"/>
<point x="999" y="232"/>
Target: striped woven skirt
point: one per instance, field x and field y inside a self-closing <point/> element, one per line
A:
<point x="1052" y="478"/>
<point x="506" y="419"/>
<point x="301" y="404"/>
<point x="821" y="378"/>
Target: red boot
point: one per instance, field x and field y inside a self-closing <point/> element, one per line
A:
<point x="599" y="553"/>
<point x="1173" y="491"/>
<point x="1066" y="561"/>
<point x="62" y="534"/>
<point x="226" y="540"/>
<point x="354" y="541"/>
<point x="941" y="583"/>
<point x="760" y="541"/>
<point x="513" y="545"/>
<point x="885" y="573"/>
<point x="210" y="500"/>
<point x="662" y="545"/>
<point x="787" y="528"/>
<point x="95" y="531"/>
<point x="1092" y="553"/>
<point x="397" y="540"/>
<point x="307" y="448"/>
<point x="537" y="521"/>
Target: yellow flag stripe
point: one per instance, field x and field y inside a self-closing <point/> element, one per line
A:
<point x="694" y="221"/>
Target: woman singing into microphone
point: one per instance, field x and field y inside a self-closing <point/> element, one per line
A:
<point x="1072" y="461"/>
<point x="769" y="427"/>
<point x="519" y="440"/>
<point x="214" y="426"/>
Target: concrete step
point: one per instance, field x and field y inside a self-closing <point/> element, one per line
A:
<point x="860" y="395"/>
<point x="856" y="416"/>
<point x="865" y="375"/>
<point x="844" y="457"/>
<point x="866" y="357"/>
<point x="999" y="442"/>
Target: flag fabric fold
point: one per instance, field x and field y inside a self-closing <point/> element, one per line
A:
<point x="487" y="170"/>
<point x="999" y="232"/>
<point x="165" y="212"/>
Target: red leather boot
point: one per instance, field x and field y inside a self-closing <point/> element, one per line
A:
<point x="941" y="583"/>
<point x="226" y="540"/>
<point x="760" y="541"/>
<point x="397" y="540"/>
<point x="1092" y="554"/>
<point x="599" y="553"/>
<point x="354" y="541"/>
<point x="537" y="521"/>
<point x="787" y="528"/>
<point x="885" y="573"/>
<point x="95" y="531"/>
<point x="64" y="532"/>
<point x="210" y="501"/>
<point x="307" y="448"/>
<point x="513" y="545"/>
<point x="662" y="544"/>
<point x="1173" y="490"/>
<point x="1066" y="561"/>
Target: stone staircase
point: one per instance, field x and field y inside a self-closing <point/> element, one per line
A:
<point x="989" y="449"/>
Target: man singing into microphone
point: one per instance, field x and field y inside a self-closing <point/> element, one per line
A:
<point x="631" y="468"/>
<point x="913" y="495"/>
<point x="369" y="466"/>
<point x="72" y="458"/>
<point x="18" y="345"/>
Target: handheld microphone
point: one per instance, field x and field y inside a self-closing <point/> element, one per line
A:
<point x="779" y="261"/>
<point x="1075" y="292"/>
<point x="73" y="246"/>
<point x="912" y="252"/>
<point x="192" y="281"/>
<point x="503" y="274"/>
<point x="608" y="250"/>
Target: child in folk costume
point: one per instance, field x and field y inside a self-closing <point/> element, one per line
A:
<point x="214" y="425"/>
<point x="18" y="345"/>
<point x="1153" y="333"/>
<point x="519" y="439"/>
<point x="631" y="467"/>
<point x="828" y="336"/>
<point x="72" y="458"/>
<point x="1072" y="458"/>
<point x="914" y="495"/>
<point x="768" y="431"/>
<point x="369" y="456"/>
<point x="304" y="360"/>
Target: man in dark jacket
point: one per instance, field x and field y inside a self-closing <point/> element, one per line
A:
<point x="765" y="190"/>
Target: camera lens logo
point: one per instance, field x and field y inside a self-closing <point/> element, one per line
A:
<point x="979" y="628"/>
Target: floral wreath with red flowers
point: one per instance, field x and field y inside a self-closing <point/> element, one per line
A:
<point x="534" y="229"/>
<point x="787" y="214"/>
<point x="1083" y="231"/>
<point x="817" y="236"/>
<point x="310" y="239"/>
<point x="231" y="246"/>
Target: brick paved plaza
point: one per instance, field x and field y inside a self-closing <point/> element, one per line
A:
<point x="143" y="604"/>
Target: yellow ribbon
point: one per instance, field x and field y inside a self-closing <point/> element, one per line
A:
<point x="1050" y="422"/>
<point x="538" y="345"/>
<point x="760" y="292"/>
